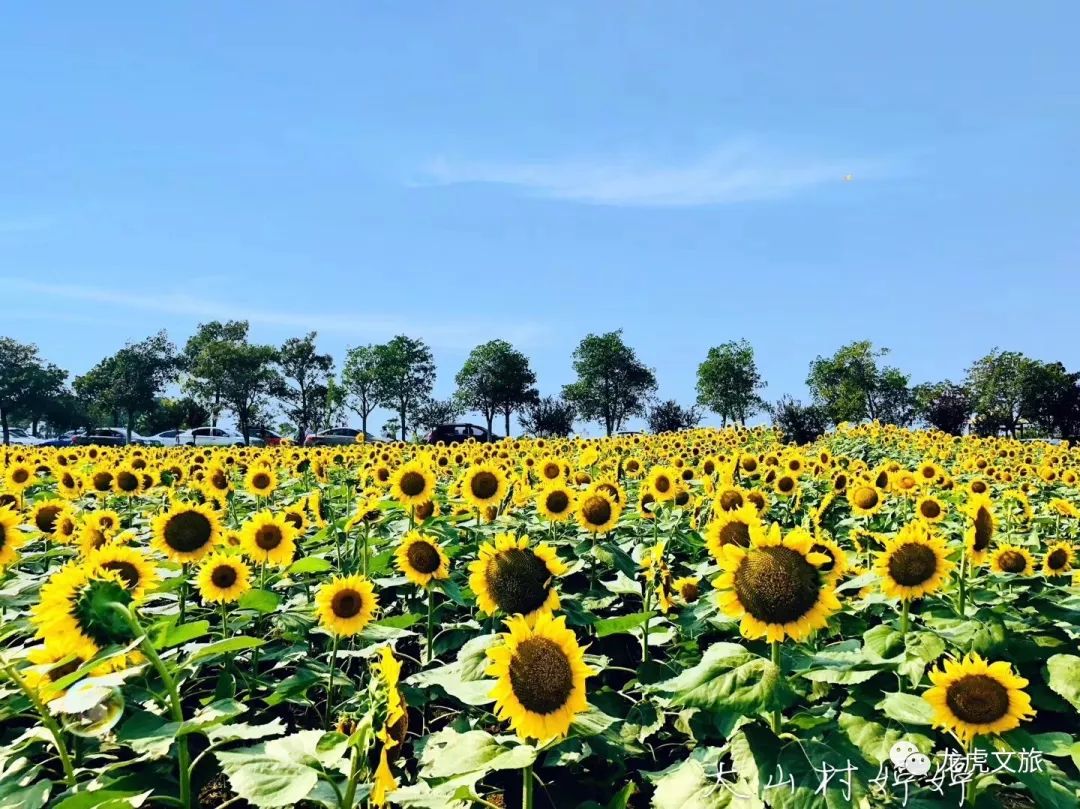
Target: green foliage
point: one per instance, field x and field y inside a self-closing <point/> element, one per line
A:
<point x="612" y="385"/>
<point x="851" y="386"/>
<point x="728" y="382"/>
<point x="496" y="378"/>
<point x="404" y="372"/>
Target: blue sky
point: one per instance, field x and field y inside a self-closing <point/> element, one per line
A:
<point x="466" y="171"/>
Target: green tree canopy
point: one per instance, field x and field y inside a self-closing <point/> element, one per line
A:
<point x="851" y="386"/>
<point x="358" y="378"/>
<point x="404" y="376"/>
<point x="999" y="383"/>
<point x="496" y="378"/>
<point x="612" y="384"/>
<point x="27" y="383"/>
<point x="304" y="387"/>
<point x="204" y="361"/>
<point x="548" y="417"/>
<point x="943" y="405"/>
<point x="670" y="416"/>
<point x="728" y="382"/>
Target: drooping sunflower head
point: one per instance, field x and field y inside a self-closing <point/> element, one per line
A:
<point x="345" y="605"/>
<point x="421" y="558"/>
<point x="775" y="587"/>
<point x="515" y="577"/>
<point x="597" y="512"/>
<point x="75" y="609"/>
<point x="268" y="537"/>
<point x="980" y="532"/>
<point x="1012" y="560"/>
<point x="688" y="588"/>
<point x="540" y="672"/>
<point x="1058" y="559"/>
<point x="187" y="531"/>
<point x="412" y="483"/>
<point x="914" y="563"/>
<point x="484" y="484"/>
<point x="737" y="527"/>
<point x="223" y="578"/>
<point x="555" y="502"/>
<point x="973" y="697"/>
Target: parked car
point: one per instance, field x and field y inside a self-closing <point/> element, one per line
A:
<point x="65" y="440"/>
<point x="214" y="437"/>
<point x="17" y="435"/>
<point x="112" y="437"/>
<point x="268" y="436"/>
<point x="167" y="437"/>
<point x="450" y="433"/>
<point x="337" y="435"/>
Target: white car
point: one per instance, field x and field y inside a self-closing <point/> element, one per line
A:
<point x="17" y="435"/>
<point x="214" y="437"/>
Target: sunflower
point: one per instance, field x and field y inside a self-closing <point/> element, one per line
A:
<point x="913" y="563"/>
<point x="738" y="527"/>
<point x="930" y="509"/>
<point x="688" y="588"/>
<point x="865" y="498"/>
<point x="50" y="665"/>
<point x="186" y="532"/>
<point x="1012" y="559"/>
<point x="19" y="477"/>
<point x="973" y="697"/>
<point x="69" y="484"/>
<point x="216" y="483"/>
<point x="136" y="572"/>
<point x="515" y="578"/>
<point x="260" y="481"/>
<point x="540" y="672"/>
<point x="104" y="520"/>
<point x="785" y="485"/>
<point x="730" y="498"/>
<point x="223" y="578"/>
<point x="1058" y="559"/>
<point x="412" y="484"/>
<point x="74" y="610"/>
<point x="421" y="559"/>
<point x="597" y="512"/>
<point x="269" y="538"/>
<point x="296" y="516"/>
<point x="126" y="481"/>
<point x="775" y="586"/>
<point x="1063" y="508"/>
<point x="11" y="537"/>
<point x="837" y="565"/>
<point x="484" y="484"/>
<point x="981" y="531"/>
<point x="555" y="502"/>
<point x="345" y="605"/>
<point x="662" y="482"/>
<point x="66" y="527"/>
<point x="550" y="469"/>
<point x="44" y="514"/>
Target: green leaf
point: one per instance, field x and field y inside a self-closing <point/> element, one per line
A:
<point x="215" y="650"/>
<point x="1063" y="676"/>
<point x="694" y="784"/>
<point x="103" y="799"/>
<point x="449" y="753"/>
<point x="400" y="621"/>
<point x="621" y="623"/>
<point x="184" y="633"/>
<point x="309" y="564"/>
<point x="875" y="739"/>
<point x="882" y="642"/>
<point x="267" y="782"/>
<point x="262" y="601"/>
<point x="463" y="679"/>
<point x="729" y="678"/>
<point x="922" y="648"/>
<point x="34" y="796"/>
<point x="907" y="708"/>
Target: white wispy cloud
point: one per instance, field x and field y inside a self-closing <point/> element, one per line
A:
<point x="741" y="171"/>
<point x="360" y="325"/>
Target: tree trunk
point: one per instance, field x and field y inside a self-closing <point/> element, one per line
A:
<point x="506" y="413"/>
<point x="363" y="424"/>
<point x="490" y="419"/>
<point x="403" y="422"/>
<point x="4" y="425"/>
<point x="130" y="421"/>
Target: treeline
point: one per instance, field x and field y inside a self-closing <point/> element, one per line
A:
<point x="220" y="371"/>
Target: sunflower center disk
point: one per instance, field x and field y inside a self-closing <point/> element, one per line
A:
<point x="930" y="510"/>
<point x="46" y="519"/>
<point x="268" y="537"/>
<point x="557" y="502"/>
<point x="865" y="497"/>
<point x="187" y="531"/>
<point x="347" y="604"/>
<point x="223" y="576"/>
<point x="1057" y="559"/>
<point x="978" y="699"/>
<point x="127" y="571"/>
<point x="484" y="485"/>
<point x="735" y="533"/>
<point x="423" y="557"/>
<point x="517" y="580"/>
<point x="777" y="585"/>
<point x="597" y="510"/>
<point x="541" y="676"/>
<point x="731" y="500"/>
<point x="1012" y="561"/>
<point x="261" y="481"/>
<point x="912" y="564"/>
<point x="412" y="484"/>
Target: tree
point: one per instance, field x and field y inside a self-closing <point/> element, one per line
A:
<point x="127" y="382"/>
<point x="250" y="380"/>
<point x="173" y="414"/>
<point x="548" y="417"/>
<point x="612" y="383"/>
<point x="358" y="378"/>
<point x="999" y="383"/>
<point x="44" y="384"/>
<point x="26" y="382"/>
<point x="850" y="386"/>
<point x="390" y="429"/>
<point x="404" y="375"/>
<point x="496" y="378"/>
<point x="943" y="405"/>
<point x="728" y="382"/>
<point x="304" y="377"/>
<point x="1051" y="398"/>
<point x="204" y="361"/>
<point x="430" y="413"/>
<point x="670" y="417"/>
<point x="799" y="423"/>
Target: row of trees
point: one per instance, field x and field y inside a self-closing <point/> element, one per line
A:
<point x="220" y="371"/>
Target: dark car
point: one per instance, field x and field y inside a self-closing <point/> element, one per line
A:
<point x="337" y="436"/>
<point x="102" y="437"/>
<point x="460" y="433"/>
<point x="269" y="437"/>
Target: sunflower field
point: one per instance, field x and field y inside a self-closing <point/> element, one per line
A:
<point x="701" y="619"/>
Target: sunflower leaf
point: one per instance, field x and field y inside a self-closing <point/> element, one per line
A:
<point x="1063" y="676"/>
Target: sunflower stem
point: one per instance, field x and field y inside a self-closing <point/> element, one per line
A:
<point x="645" y="626"/>
<point x="183" y="593"/>
<point x="430" y="624"/>
<point x="175" y="707"/>
<point x="527" y="787"/>
<point x="330" y="684"/>
<point x="963" y="582"/>
<point x="47" y="720"/>
<point x="904" y="610"/>
<point x="775" y="654"/>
